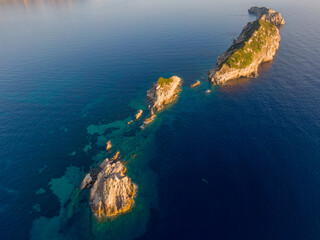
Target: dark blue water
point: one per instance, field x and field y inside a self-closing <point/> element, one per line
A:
<point x="242" y="162"/>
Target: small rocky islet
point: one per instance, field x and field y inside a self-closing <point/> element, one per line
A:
<point x="162" y="93"/>
<point x="196" y="84"/>
<point x="112" y="192"/>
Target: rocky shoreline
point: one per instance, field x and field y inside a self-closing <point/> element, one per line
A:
<point x="257" y="43"/>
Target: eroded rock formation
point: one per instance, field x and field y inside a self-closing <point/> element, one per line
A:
<point x="108" y="145"/>
<point x="197" y="83"/>
<point x="112" y="192"/>
<point x="163" y="92"/>
<point x="139" y="114"/>
<point x="268" y="15"/>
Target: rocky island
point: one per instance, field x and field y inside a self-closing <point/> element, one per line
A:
<point x="163" y="92"/>
<point x="257" y="43"/>
<point x="112" y="192"/>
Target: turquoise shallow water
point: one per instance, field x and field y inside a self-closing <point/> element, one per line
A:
<point x="239" y="163"/>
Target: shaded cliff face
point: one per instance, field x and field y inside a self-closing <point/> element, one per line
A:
<point x="257" y="43"/>
<point x="268" y="15"/>
<point x="112" y="192"/>
<point x="163" y="92"/>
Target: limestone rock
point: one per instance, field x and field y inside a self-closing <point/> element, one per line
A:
<point x="163" y="92"/>
<point x="108" y="145"/>
<point x="148" y="121"/>
<point x="268" y="15"/>
<point x="86" y="181"/>
<point x="257" y="43"/>
<point x="197" y="83"/>
<point x="112" y="192"/>
<point x="116" y="156"/>
<point x="139" y="114"/>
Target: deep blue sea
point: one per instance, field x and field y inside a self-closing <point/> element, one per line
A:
<point x="242" y="162"/>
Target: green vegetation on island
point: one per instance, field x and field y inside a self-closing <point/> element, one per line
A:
<point x="164" y="81"/>
<point x="243" y="51"/>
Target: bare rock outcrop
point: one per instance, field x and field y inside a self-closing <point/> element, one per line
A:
<point x="197" y="83"/>
<point x="163" y="92"/>
<point x="108" y="145"/>
<point x="257" y="43"/>
<point x="268" y="15"/>
<point x="112" y="192"/>
<point x="138" y="114"/>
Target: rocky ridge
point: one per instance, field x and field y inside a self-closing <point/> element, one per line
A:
<point x="268" y="15"/>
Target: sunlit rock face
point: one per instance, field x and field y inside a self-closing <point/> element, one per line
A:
<point x="197" y="83"/>
<point x="257" y="43"/>
<point x="138" y="114"/>
<point x="268" y="15"/>
<point x="112" y="192"/>
<point x="108" y="145"/>
<point x="163" y="92"/>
